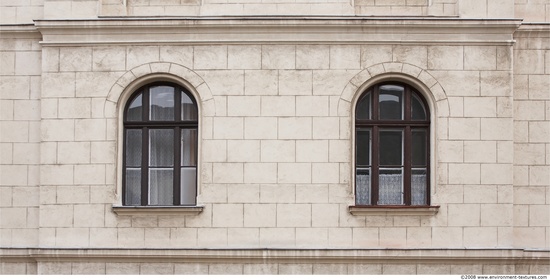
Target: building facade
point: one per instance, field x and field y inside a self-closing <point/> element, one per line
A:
<point x="274" y="136"/>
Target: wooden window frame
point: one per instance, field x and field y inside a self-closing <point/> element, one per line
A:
<point x="406" y="124"/>
<point x="145" y="125"/>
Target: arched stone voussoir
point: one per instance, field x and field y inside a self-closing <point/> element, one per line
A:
<point x="143" y="74"/>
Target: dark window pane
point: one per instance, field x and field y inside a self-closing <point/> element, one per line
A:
<point x="391" y="147"/>
<point x="188" y="147"/>
<point x="364" y="107"/>
<point x="391" y="102"/>
<point x="161" y="186"/>
<point x="363" y="146"/>
<point x="418" y="112"/>
<point x="133" y="186"/>
<point x="161" y="100"/>
<point x="188" y="185"/>
<point x="363" y="188"/>
<point x="418" y="146"/>
<point x="188" y="108"/>
<point x="161" y="147"/>
<point x="133" y="148"/>
<point x="390" y="187"/>
<point x="134" y="112"/>
<point x="419" y="187"/>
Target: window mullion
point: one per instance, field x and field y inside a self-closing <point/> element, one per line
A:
<point x="407" y="161"/>
<point x="145" y="151"/>
<point x="177" y="148"/>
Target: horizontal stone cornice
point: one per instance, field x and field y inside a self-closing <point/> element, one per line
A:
<point x="395" y="256"/>
<point x="277" y="30"/>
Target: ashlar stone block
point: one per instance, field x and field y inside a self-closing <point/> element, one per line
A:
<point x="311" y="237"/>
<point x="243" y="237"/>
<point x="445" y="57"/>
<point x="374" y="54"/>
<point x="415" y="55"/>
<point x="139" y="55"/>
<point x="182" y="55"/>
<point x="210" y="57"/>
<point x="496" y="215"/>
<point x="475" y="237"/>
<point x="295" y="82"/>
<point x="260" y="173"/>
<point x="326" y="173"/>
<point x="277" y="193"/>
<point x="480" y="151"/>
<point x="227" y="215"/>
<point x="294" y="215"/>
<point x="464" y="215"/>
<point x="294" y="173"/>
<point x="311" y="151"/>
<point x="261" y="82"/>
<point x="244" y="57"/>
<point x="480" y="57"/>
<point x="243" y="105"/>
<point x="345" y="57"/>
<point x="295" y="128"/>
<point x="278" y="57"/>
<point x="109" y="58"/>
<point x="464" y="128"/>
<point x="260" y="215"/>
<point x="312" y="57"/>
<point x="75" y="59"/>
<point x="260" y="128"/>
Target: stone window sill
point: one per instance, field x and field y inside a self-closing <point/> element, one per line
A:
<point x="393" y="210"/>
<point x="157" y="210"/>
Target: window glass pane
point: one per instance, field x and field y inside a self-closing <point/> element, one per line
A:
<point x="391" y="147"/>
<point x="133" y="186"/>
<point x="188" y="147"/>
<point x="418" y="186"/>
<point x="161" y="100"/>
<point x="161" y="147"/>
<point x="134" y="112"/>
<point x="390" y="186"/>
<point x="391" y="102"/>
<point x="418" y="112"/>
<point x="364" y="107"/>
<point x="188" y="185"/>
<point x="362" y="186"/>
<point x="133" y="147"/>
<point x="363" y="146"/>
<point x="161" y="186"/>
<point x="188" y="108"/>
<point x="418" y="146"/>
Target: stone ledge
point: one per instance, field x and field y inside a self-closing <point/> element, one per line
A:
<point x="374" y="255"/>
<point x="393" y="210"/>
<point x="157" y="210"/>
<point x="278" y="30"/>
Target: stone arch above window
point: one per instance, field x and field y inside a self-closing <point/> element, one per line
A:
<point x="395" y="71"/>
<point x="159" y="71"/>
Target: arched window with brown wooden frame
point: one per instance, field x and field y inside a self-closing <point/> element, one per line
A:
<point x="160" y="147"/>
<point x="392" y="161"/>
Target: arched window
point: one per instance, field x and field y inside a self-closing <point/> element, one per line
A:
<point x="160" y="147"/>
<point x="392" y="163"/>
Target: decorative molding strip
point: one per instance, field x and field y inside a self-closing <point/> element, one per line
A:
<point x="278" y="30"/>
<point x="385" y="256"/>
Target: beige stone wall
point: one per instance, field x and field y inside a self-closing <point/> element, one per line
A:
<point x="532" y="138"/>
<point x="532" y="10"/>
<point x="20" y="87"/>
<point x="20" y="11"/>
<point x="276" y="155"/>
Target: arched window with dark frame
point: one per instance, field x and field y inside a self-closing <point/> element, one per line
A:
<point x="392" y="162"/>
<point x="160" y="147"/>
